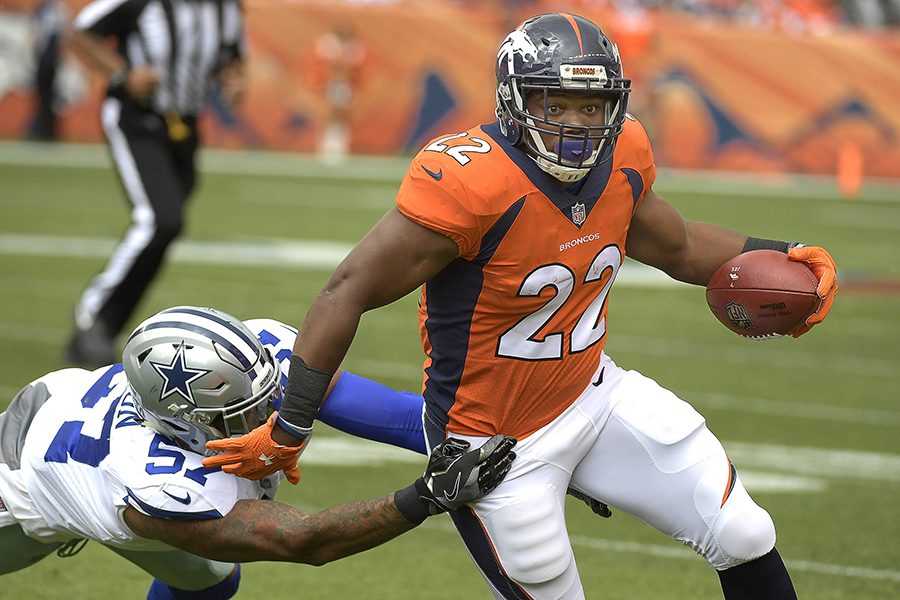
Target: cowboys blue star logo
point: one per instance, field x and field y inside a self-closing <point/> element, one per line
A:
<point x="178" y="376"/>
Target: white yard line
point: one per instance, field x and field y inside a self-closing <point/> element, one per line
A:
<point x="278" y="253"/>
<point x="804" y="410"/>
<point x="297" y="254"/>
<point x="390" y="169"/>
<point x="824" y="463"/>
<point x="763" y="467"/>
<point x="234" y="162"/>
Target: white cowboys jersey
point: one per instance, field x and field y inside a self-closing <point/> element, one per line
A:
<point x="278" y="339"/>
<point x="86" y="457"/>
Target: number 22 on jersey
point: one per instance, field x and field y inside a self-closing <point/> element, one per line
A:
<point x="459" y="151"/>
<point x="521" y="340"/>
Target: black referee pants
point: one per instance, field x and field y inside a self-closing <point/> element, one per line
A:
<point x="157" y="175"/>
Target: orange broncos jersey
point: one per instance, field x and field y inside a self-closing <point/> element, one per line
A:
<point x="513" y="328"/>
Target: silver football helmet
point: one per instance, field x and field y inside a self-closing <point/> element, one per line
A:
<point x="199" y="374"/>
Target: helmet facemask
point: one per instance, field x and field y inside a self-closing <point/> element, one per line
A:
<point x="573" y="149"/>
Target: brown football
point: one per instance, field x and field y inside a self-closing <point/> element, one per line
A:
<point x="762" y="294"/>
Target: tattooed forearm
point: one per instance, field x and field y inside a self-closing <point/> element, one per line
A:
<point x="351" y="528"/>
<point x="264" y="530"/>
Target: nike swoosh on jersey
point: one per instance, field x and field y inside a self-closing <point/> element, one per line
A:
<point x="455" y="491"/>
<point x="599" y="378"/>
<point x="185" y="500"/>
<point x="436" y="176"/>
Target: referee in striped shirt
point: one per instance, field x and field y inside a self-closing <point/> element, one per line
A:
<point x="167" y="55"/>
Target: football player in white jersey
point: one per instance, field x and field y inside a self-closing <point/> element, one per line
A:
<point x="114" y="455"/>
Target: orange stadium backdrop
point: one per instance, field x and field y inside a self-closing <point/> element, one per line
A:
<point x="712" y="96"/>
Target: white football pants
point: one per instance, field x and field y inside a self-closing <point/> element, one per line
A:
<point x="627" y="442"/>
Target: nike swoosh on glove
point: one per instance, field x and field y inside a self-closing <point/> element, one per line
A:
<point x="823" y="267"/>
<point x="256" y="455"/>
<point x="456" y="475"/>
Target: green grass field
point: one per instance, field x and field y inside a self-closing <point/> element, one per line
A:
<point x="813" y="425"/>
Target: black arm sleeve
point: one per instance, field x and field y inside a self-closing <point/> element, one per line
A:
<point x="753" y="243"/>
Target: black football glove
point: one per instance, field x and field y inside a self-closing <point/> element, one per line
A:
<point x="456" y="475"/>
<point x="598" y="507"/>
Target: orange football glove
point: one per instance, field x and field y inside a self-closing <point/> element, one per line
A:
<point x="822" y="266"/>
<point x="255" y="455"/>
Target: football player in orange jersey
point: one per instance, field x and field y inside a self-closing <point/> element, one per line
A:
<point x="515" y="230"/>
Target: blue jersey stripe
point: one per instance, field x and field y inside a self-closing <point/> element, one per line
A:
<point x="636" y="183"/>
<point x="136" y="502"/>
<point x="482" y="551"/>
<point x="452" y="296"/>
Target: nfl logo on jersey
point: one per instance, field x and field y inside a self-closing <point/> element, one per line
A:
<point x="578" y="213"/>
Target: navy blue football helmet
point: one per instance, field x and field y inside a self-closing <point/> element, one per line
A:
<point x="549" y="53"/>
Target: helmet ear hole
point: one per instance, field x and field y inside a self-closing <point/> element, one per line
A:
<point x="513" y="132"/>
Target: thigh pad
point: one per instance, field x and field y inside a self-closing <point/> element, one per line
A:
<point x="530" y="537"/>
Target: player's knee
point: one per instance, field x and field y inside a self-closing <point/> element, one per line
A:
<point x="531" y="539"/>
<point x="744" y="532"/>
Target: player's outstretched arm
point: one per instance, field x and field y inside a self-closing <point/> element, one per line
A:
<point x="265" y="530"/>
<point x="392" y="260"/>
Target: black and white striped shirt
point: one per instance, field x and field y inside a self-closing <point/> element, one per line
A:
<point x="187" y="41"/>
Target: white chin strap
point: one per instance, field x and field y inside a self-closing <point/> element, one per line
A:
<point x="564" y="174"/>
